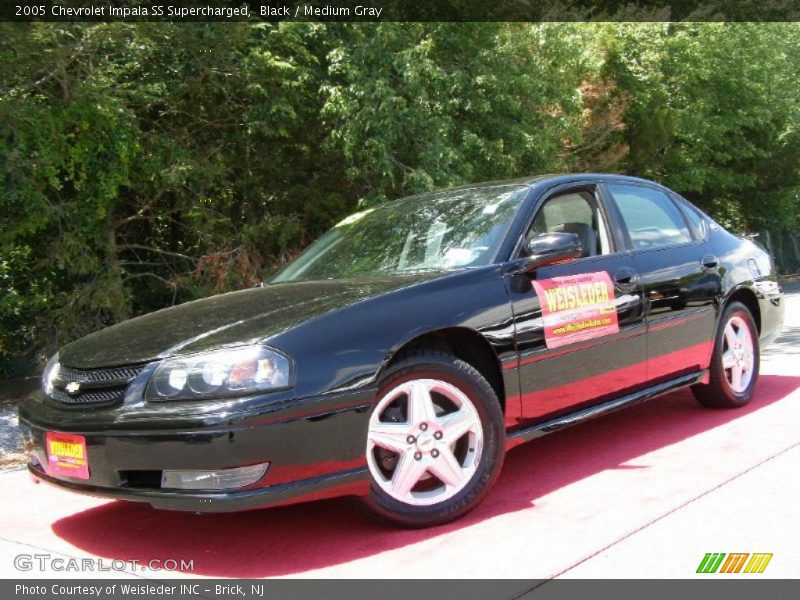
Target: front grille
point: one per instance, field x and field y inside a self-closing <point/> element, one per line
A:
<point x="111" y="375"/>
<point x="94" y="397"/>
<point x="95" y="386"/>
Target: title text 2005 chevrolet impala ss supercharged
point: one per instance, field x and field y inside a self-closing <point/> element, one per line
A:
<point x="408" y="348"/>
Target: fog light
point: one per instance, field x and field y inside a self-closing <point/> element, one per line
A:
<point x="220" y="479"/>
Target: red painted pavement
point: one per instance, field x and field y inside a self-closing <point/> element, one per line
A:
<point x="560" y="499"/>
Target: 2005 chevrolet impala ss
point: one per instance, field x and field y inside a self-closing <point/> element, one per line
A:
<point x="406" y="350"/>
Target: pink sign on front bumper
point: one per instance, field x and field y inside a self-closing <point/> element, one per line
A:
<point x="66" y="455"/>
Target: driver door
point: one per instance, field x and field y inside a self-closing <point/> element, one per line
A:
<point x="580" y="329"/>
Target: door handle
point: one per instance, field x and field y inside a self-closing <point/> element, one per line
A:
<point x="626" y="279"/>
<point x="710" y="262"/>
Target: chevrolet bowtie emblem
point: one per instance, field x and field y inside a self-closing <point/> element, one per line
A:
<point x="73" y="387"/>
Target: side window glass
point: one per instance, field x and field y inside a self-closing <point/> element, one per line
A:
<point x="696" y="219"/>
<point x="651" y="218"/>
<point x="574" y="212"/>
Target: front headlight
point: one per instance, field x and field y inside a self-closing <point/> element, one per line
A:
<point x="49" y="374"/>
<point x="238" y="371"/>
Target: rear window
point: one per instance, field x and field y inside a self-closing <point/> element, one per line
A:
<point x="651" y="218"/>
<point x="696" y="219"/>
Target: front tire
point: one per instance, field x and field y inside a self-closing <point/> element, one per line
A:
<point x="735" y="362"/>
<point x="435" y="442"/>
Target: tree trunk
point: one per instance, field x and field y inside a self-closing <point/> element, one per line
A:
<point x="118" y="304"/>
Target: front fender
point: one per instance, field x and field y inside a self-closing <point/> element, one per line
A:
<point x="347" y="348"/>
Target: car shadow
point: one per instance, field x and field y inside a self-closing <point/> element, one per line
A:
<point x="296" y="539"/>
<point x="787" y="343"/>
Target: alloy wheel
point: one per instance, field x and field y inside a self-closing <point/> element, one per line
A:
<point x="424" y="441"/>
<point x="738" y="354"/>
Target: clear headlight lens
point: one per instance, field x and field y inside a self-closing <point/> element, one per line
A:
<point x="50" y="373"/>
<point x="238" y="371"/>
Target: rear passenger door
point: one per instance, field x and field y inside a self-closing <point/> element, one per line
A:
<point x="679" y="276"/>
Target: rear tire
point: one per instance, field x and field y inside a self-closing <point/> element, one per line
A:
<point x="735" y="362"/>
<point x="435" y="441"/>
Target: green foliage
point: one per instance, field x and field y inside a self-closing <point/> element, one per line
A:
<point x="417" y="106"/>
<point x="146" y="164"/>
<point x="713" y="113"/>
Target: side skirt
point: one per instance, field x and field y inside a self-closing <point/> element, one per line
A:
<point x="521" y="436"/>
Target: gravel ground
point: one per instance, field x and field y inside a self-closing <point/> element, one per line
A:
<point x="11" y="456"/>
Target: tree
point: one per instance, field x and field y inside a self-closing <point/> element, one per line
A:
<point x="146" y="164"/>
<point x="713" y="113"/>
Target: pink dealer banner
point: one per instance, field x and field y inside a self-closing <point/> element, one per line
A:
<point x="577" y="307"/>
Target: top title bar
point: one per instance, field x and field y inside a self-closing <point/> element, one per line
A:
<point x="398" y="10"/>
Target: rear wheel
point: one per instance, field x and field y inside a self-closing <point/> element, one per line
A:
<point x="435" y="440"/>
<point x="735" y="363"/>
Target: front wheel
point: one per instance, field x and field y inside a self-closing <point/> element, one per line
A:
<point x="435" y="440"/>
<point x="735" y="362"/>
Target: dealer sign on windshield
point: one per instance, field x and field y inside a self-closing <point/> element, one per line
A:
<point x="577" y="307"/>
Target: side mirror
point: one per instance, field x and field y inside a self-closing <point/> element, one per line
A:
<point x="550" y="248"/>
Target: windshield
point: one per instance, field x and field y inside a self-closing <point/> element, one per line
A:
<point x="435" y="231"/>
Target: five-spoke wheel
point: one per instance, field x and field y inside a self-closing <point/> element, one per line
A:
<point x="738" y="354"/>
<point x="434" y="440"/>
<point x="735" y="362"/>
<point x="425" y="441"/>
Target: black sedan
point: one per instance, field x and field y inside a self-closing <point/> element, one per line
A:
<point x="408" y="348"/>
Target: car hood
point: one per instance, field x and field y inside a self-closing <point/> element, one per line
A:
<point x="228" y="319"/>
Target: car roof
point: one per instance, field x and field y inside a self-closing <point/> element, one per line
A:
<point x="579" y="177"/>
<point x="555" y="179"/>
<point x="534" y="181"/>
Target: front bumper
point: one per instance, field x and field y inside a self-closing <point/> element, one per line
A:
<point x="313" y="454"/>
